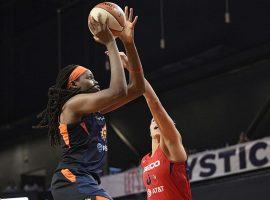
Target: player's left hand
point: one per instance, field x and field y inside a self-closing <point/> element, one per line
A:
<point x="127" y="35"/>
<point x="102" y="33"/>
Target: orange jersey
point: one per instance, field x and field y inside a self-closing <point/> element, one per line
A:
<point x="164" y="179"/>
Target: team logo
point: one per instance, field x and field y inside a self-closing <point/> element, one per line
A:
<point x="103" y="132"/>
<point x="148" y="181"/>
<point x="100" y="120"/>
<point x="152" y="179"/>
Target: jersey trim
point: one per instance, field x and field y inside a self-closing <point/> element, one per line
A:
<point x="64" y="132"/>
<point x="69" y="175"/>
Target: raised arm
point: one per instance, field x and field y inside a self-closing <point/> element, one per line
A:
<point x="87" y="103"/>
<point x="131" y="62"/>
<point x="171" y="140"/>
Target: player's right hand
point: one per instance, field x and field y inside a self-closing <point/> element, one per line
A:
<point x="101" y="32"/>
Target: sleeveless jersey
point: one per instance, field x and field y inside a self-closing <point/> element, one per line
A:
<point x="164" y="179"/>
<point x="84" y="144"/>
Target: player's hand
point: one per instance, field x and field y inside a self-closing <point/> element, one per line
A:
<point x="127" y="35"/>
<point x="101" y="32"/>
<point x="123" y="57"/>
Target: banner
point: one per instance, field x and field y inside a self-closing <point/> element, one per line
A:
<point x="126" y="183"/>
<point x="230" y="160"/>
<point x="203" y="166"/>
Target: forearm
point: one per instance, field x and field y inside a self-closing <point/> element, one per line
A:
<point x="136" y="75"/>
<point x="159" y="113"/>
<point x="150" y="95"/>
<point x="118" y="80"/>
<point x="133" y="57"/>
<point x="136" y="85"/>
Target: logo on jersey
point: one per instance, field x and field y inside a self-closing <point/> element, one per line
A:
<point x="151" y="166"/>
<point x="151" y="179"/>
<point x="148" y="181"/>
<point x="103" y="132"/>
<point x="151" y="192"/>
<point x="100" y="120"/>
<point x="102" y="147"/>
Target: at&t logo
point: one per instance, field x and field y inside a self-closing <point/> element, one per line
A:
<point x="151" y="192"/>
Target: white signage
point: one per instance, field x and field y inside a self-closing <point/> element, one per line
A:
<point x="202" y="166"/>
<point x="230" y="160"/>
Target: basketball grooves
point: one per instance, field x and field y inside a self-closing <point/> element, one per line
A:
<point x="112" y="7"/>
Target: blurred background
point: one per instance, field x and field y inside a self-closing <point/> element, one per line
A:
<point x="209" y="62"/>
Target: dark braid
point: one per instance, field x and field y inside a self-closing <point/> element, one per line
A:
<point x="58" y="95"/>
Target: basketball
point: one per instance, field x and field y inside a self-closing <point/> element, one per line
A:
<point x="116" y="16"/>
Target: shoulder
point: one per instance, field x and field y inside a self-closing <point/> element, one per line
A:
<point x="75" y="103"/>
<point x="144" y="160"/>
<point x="69" y="113"/>
<point x="173" y="153"/>
<point x="76" y="100"/>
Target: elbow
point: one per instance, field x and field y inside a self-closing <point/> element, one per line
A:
<point x="138" y="89"/>
<point x="123" y="92"/>
<point x="174" y="139"/>
<point x="120" y="92"/>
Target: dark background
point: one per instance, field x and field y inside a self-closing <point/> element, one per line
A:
<point x="212" y="77"/>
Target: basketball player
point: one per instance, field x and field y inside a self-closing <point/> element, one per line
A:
<point x="74" y="115"/>
<point x="164" y="169"/>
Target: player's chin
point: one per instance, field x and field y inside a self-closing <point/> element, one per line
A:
<point x="97" y="88"/>
<point x="156" y="133"/>
<point x="94" y="89"/>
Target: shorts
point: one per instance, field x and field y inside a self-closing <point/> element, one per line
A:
<point x="70" y="184"/>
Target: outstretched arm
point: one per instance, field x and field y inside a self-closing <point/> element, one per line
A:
<point x="131" y="62"/>
<point x="87" y="103"/>
<point x="171" y="140"/>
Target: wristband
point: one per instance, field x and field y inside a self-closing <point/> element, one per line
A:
<point x="138" y="70"/>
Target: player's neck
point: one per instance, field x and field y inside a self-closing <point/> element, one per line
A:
<point x="155" y="143"/>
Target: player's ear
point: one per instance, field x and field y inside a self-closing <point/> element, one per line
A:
<point x="73" y="84"/>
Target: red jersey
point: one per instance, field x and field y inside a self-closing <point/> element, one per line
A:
<point x="164" y="179"/>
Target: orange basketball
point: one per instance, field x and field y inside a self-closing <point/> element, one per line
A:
<point x="116" y="16"/>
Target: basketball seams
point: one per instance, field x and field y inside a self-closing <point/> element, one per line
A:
<point x="114" y="24"/>
<point x="114" y="21"/>
<point x="113" y="13"/>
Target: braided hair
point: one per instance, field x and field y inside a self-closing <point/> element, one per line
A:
<point x="58" y="95"/>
